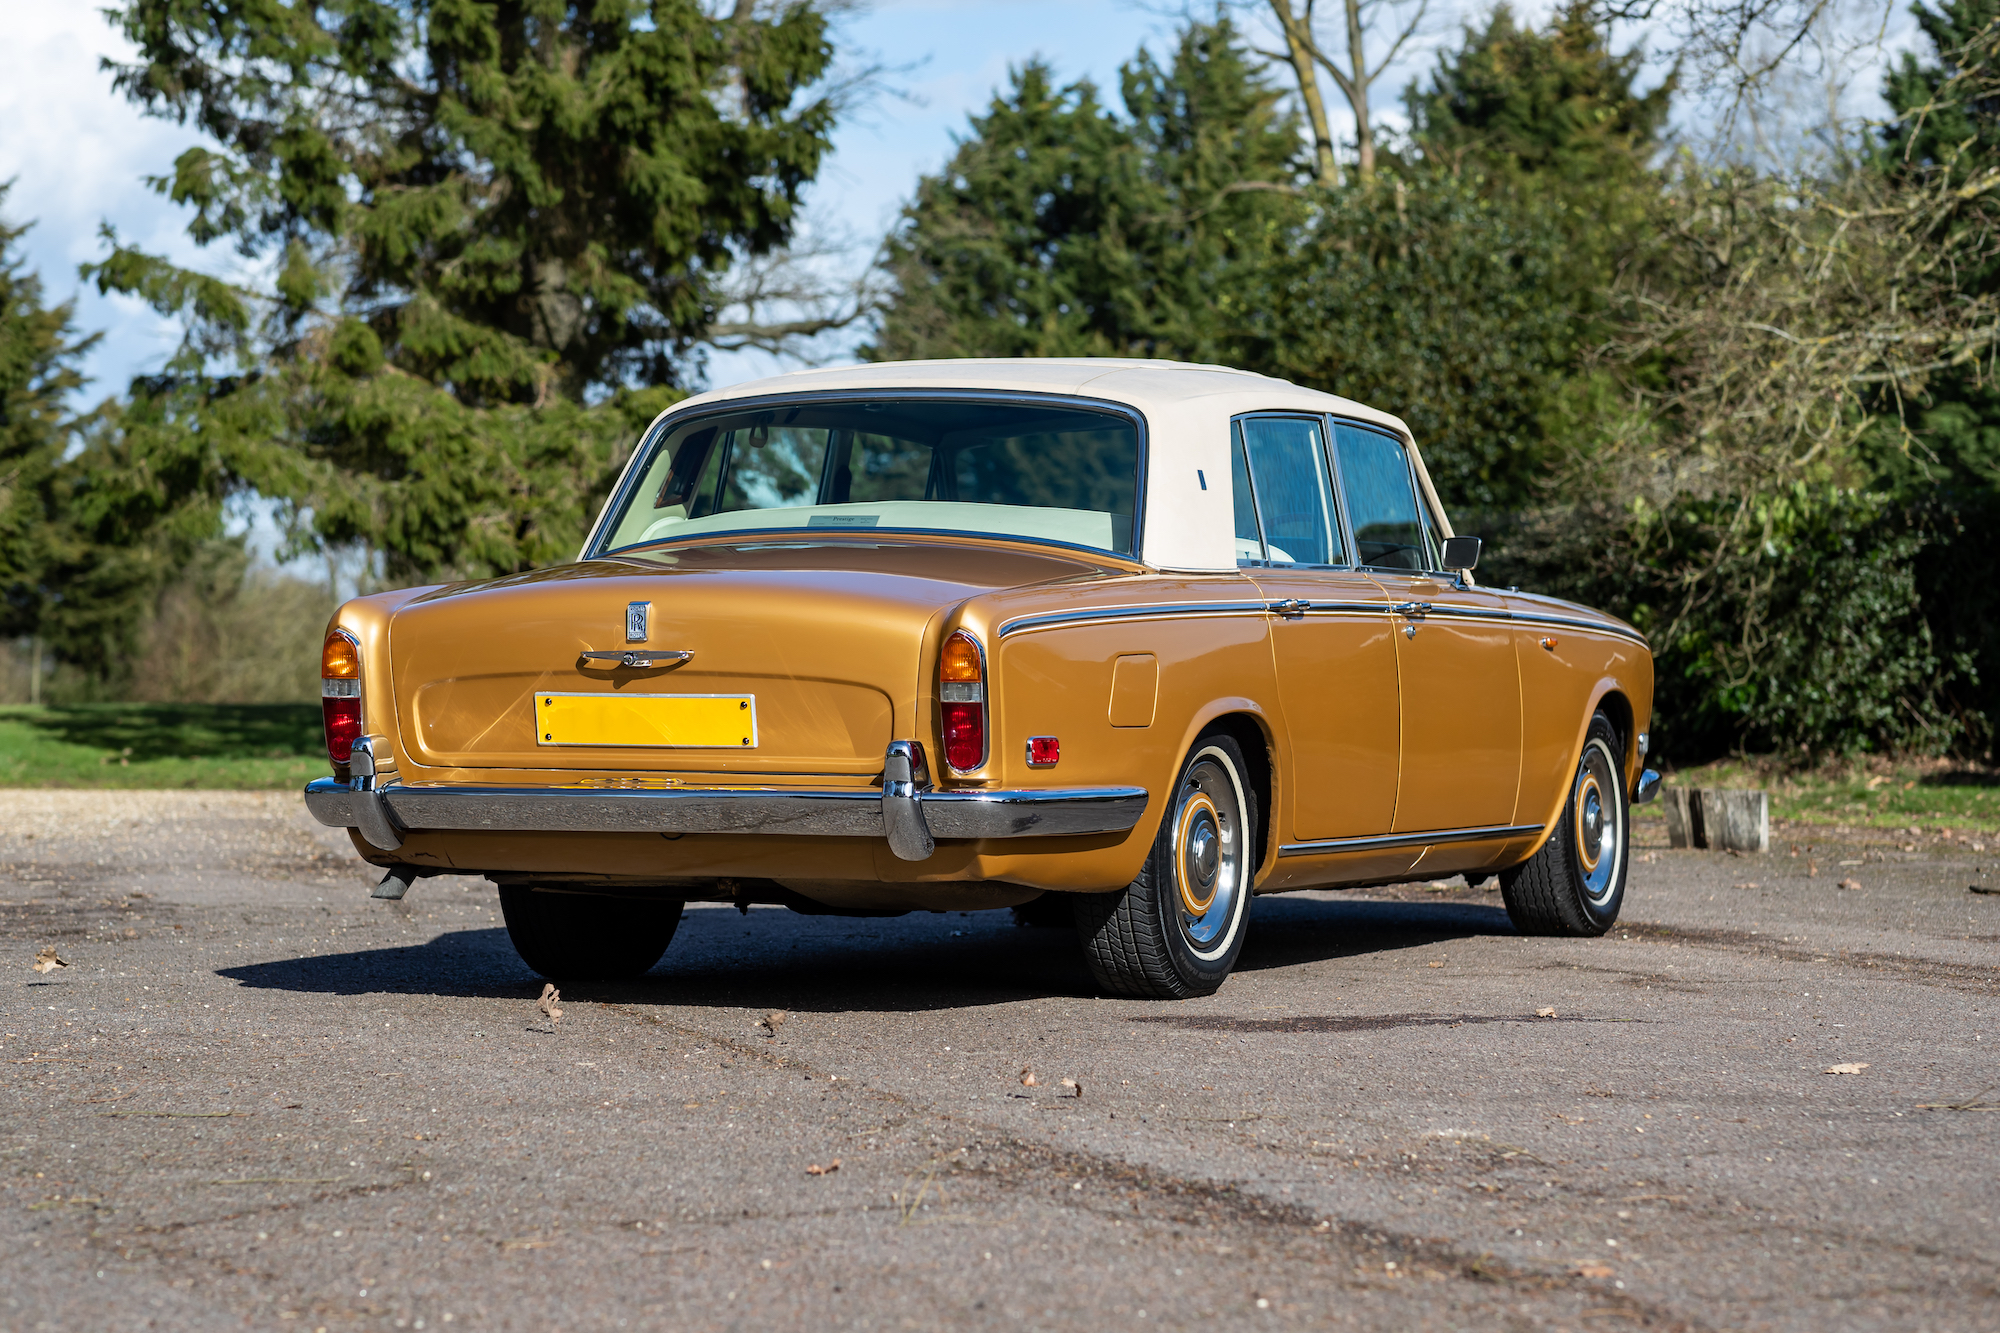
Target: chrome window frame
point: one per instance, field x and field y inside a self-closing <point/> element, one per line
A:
<point x="1431" y="520"/>
<point x="1336" y="498"/>
<point x="596" y="547"/>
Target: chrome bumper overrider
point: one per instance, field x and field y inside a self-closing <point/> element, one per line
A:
<point x="908" y="814"/>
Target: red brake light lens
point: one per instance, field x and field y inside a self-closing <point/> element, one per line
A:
<point x="340" y="694"/>
<point x="962" y="697"/>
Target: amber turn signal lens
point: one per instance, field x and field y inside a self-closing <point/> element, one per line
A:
<point x="340" y="659"/>
<point x="961" y="659"/>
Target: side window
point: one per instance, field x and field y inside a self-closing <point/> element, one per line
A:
<point x="1288" y="475"/>
<point x="1389" y="527"/>
<point x="1249" y="537"/>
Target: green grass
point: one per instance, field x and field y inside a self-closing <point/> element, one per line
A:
<point x="239" y="747"/>
<point x="1879" y="794"/>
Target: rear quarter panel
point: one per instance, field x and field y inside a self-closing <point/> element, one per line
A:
<point x="1209" y="638"/>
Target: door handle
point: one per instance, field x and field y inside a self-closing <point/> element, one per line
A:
<point x="1292" y="608"/>
<point x="1413" y="609"/>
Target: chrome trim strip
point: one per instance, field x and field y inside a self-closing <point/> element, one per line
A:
<point x="1431" y="838"/>
<point x="1500" y="615"/>
<point x="639" y="657"/>
<point x="1021" y="624"/>
<point x="1574" y="622"/>
<point x="779" y="811"/>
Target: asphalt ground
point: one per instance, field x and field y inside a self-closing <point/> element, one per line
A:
<point x="256" y="1098"/>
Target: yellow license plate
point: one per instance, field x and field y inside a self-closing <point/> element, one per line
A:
<point x="709" y="721"/>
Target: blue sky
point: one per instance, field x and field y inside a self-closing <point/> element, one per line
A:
<point x="77" y="153"/>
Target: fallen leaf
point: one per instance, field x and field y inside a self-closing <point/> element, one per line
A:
<point x="1075" y="1088"/>
<point x="817" y="1170"/>
<point x="1844" y="1069"/>
<point x="1028" y="1079"/>
<point x="1812" y="869"/>
<point x="1545" y="1013"/>
<point x="775" y="1020"/>
<point x="1593" y="1270"/>
<point x="46" y="961"/>
<point x="1850" y="884"/>
<point x="547" y="1004"/>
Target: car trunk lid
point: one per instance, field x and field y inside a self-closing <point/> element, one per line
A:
<point x="802" y="658"/>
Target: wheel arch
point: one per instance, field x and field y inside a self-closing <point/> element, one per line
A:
<point x="1245" y="722"/>
<point x="1610" y="697"/>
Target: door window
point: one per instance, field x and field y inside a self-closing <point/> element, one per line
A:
<point x="1286" y="459"/>
<point x="1249" y="537"/>
<point x="1389" y="527"/>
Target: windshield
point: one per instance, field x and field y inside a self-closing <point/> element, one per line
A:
<point x="1052" y="472"/>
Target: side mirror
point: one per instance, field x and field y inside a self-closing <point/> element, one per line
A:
<point x="1461" y="553"/>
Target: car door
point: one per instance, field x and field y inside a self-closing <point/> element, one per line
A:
<point x="1460" y="690"/>
<point x="1331" y="634"/>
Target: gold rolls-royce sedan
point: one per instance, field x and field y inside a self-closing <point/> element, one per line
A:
<point x="1139" y="637"/>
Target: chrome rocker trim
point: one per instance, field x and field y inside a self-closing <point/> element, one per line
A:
<point x="906" y="811"/>
<point x="1429" y="838"/>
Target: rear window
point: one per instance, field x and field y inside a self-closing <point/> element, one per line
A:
<point x="1054" y="472"/>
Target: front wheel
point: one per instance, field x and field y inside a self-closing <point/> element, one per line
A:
<point x="1174" y="932"/>
<point x="1576" y="883"/>
<point x="587" y="936"/>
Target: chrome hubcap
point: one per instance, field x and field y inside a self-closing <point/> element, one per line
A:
<point x="1597" y="806"/>
<point x="1208" y="855"/>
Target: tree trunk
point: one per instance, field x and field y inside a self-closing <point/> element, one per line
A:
<point x="1299" y="53"/>
<point x="1364" y="136"/>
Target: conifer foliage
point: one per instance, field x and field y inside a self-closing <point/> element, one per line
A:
<point x="1061" y="228"/>
<point x="512" y="199"/>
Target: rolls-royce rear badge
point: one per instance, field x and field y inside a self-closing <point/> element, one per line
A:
<point x="636" y="614"/>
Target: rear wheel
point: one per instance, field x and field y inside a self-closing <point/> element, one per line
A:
<point x="1576" y="883"/>
<point x="587" y="936"/>
<point x="1175" y="931"/>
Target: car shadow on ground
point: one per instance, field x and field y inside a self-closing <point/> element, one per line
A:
<point x="774" y="959"/>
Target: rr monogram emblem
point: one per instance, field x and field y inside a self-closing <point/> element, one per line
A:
<point x="635" y="621"/>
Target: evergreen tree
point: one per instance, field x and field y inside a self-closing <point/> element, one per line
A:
<point x="516" y="198"/>
<point x="39" y="351"/>
<point x="1061" y="229"/>
<point x="1939" y="120"/>
<point x="1455" y="309"/>
<point x="483" y="225"/>
<point x="1555" y="105"/>
<point x="97" y="513"/>
<point x="1018" y="247"/>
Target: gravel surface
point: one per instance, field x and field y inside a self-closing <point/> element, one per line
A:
<point x="255" y="1097"/>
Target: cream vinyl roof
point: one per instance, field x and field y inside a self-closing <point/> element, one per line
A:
<point x="1189" y="520"/>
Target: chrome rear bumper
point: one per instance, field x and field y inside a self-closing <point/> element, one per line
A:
<point x="907" y="814"/>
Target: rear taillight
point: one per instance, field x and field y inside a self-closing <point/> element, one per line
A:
<point x="962" y="694"/>
<point x="340" y="694"/>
